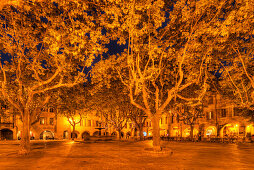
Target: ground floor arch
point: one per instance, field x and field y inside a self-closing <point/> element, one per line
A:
<point x="113" y="134"/>
<point x="46" y="135"/>
<point x="6" y="134"/>
<point x="106" y="134"/>
<point x="128" y="134"/>
<point x="175" y="132"/>
<point x="65" y="134"/>
<point x="74" y="135"/>
<point x="96" y="133"/>
<point x="249" y="130"/>
<point x="211" y="131"/>
<point x="187" y="132"/>
<point x="229" y="130"/>
<point x="85" y="134"/>
<point x="122" y="134"/>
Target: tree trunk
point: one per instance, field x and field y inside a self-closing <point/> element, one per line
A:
<point x="73" y="132"/>
<point x="119" y="134"/>
<point x="141" y="133"/>
<point x="156" y="134"/>
<point x="25" y="139"/>
<point x="191" y="131"/>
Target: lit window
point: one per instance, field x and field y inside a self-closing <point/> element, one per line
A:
<point x="209" y="115"/>
<point x="89" y="123"/>
<point x="42" y="120"/>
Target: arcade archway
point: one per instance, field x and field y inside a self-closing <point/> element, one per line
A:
<point x="187" y="132"/>
<point x="85" y="135"/>
<point x="211" y="131"/>
<point x="65" y="134"/>
<point x="46" y="135"/>
<point x="229" y="130"/>
<point x="6" y="134"/>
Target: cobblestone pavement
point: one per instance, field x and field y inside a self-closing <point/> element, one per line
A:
<point x="127" y="155"/>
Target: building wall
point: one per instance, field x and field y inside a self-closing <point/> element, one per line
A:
<point x="219" y="119"/>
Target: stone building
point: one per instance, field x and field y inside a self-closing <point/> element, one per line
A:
<point x="219" y="119"/>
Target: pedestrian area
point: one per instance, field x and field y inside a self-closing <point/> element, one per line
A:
<point x="128" y="155"/>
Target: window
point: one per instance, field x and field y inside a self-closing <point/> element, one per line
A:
<point x="166" y="120"/>
<point x="85" y="124"/>
<point x="97" y="124"/>
<point x="42" y="121"/>
<point x="3" y="107"/>
<point x="89" y="123"/>
<point x="172" y="119"/>
<point x="210" y="100"/>
<point x="209" y="115"/>
<point x="223" y="113"/>
<point x="51" y="110"/>
<point x="161" y="120"/>
<point x="51" y="121"/>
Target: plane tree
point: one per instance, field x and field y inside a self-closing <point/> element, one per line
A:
<point x="72" y="103"/>
<point x="234" y="58"/>
<point x="45" y="47"/>
<point x="170" y="47"/>
<point x="111" y="103"/>
<point x="139" y="118"/>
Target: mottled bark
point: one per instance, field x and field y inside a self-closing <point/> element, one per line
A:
<point x="73" y="132"/>
<point x="191" y="131"/>
<point x="156" y="133"/>
<point x="119" y="134"/>
<point x="141" y="132"/>
<point x="25" y="138"/>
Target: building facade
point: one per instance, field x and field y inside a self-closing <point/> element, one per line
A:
<point x="220" y="119"/>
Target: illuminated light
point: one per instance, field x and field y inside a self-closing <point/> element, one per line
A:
<point x="236" y="125"/>
<point x="145" y="134"/>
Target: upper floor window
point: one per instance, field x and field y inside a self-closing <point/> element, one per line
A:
<point x="51" y="121"/>
<point x="223" y="113"/>
<point x="51" y="110"/>
<point x="3" y="107"/>
<point x="209" y="115"/>
<point x="172" y="119"/>
<point x="210" y="100"/>
<point x="42" y="121"/>
<point x="89" y="123"/>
